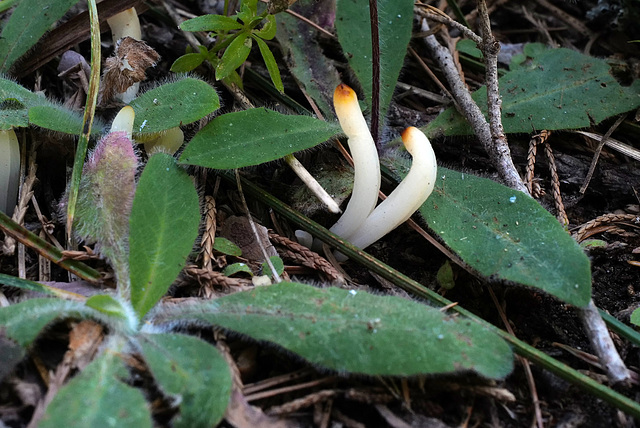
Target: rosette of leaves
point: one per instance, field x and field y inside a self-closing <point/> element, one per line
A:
<point x="234" y="38"/>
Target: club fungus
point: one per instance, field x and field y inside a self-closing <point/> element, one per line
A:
<point x="407" y="197"/>
<point x="366" y="180"/>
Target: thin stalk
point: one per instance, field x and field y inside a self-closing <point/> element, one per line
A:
<point x="87" y="119"/>
<point x="45" y="249"/>
<point x="521" y="348"/>
<point x="375" y="71"/>
<point x="621" y="328"/>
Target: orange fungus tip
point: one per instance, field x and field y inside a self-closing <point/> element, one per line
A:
<point x="343" y="94"/>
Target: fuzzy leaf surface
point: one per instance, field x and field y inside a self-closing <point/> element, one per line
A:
<point x="254" y="136"/>
<point x="557" y="89"/>
<point x="57" y="118"/>
<point x="98" y="397"/>
<point x="24" y="321"/>
<point x="193" y="372"/>
<point x="173" y="104"/>
<point x="357" y="332"/>
<point x="353" y="26"/>
<point x="163" y="226"/>
<point x="210" y="23"/>
<point x="28" y="22"/>
<point x="504" y="234"/>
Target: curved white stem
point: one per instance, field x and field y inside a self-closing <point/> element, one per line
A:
<point x="407" y="197"/>
<point x="125" y="23"/>
<point x="366" y="180"/>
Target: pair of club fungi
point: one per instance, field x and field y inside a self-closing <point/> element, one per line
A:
<point x="362" y="223"/>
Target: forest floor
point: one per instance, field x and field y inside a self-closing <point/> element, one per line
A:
<point x="315" y="397"/>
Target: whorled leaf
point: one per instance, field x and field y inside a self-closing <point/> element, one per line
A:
<point x="193" y="373"/>
<point x="357" y="332"/>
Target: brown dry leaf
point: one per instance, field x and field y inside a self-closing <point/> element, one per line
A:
<point x="238" y="230"/>
<point x="126" y="66"/>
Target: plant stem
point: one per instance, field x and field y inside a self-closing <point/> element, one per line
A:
<point x="521" y="348"/>
<point x="47" y="250"/>
<point x="375" y="70"/>
<point x="87" y="119"/>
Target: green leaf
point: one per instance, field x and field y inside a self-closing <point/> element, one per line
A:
<point x="214" y="23"/>
<point x="272" y="65"/>
<point x="469" y="47"/>
<point x="226" y="247"/>
<point x="254" y="136"/>
<point x="234" y="56"/>
<point x="268" y="30"/>
<point x="353" y="26"/>
<point x="506" y="235"/>
<point x="276" y="262"/>
<point x="108" y="305"/>
<point x="13" y="118"/>
<point x="57" y="118"/>
<point x="163" y="226"/>
<point x="635" y="317"/>
<point x="24" y="321"/>
<point x="25" y="284"/>
<point x="191" y="371"/>
<point x="28" y="22"/>
<point x="174" y="104"/>
<point x="557" y="89"/>
<point x="357" y="332"/>
<point x="98" y="397"/>
<point x="187" y="62"/>
<point x="235" y="268"/>
<point x="305" y="59"/>
<point x="10" y="90"/>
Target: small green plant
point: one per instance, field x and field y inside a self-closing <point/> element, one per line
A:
<point x="234" y="37"/>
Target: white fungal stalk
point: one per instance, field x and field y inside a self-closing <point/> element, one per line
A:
<point x="124" y="121"/>
<point x="366" y="180"/>
<point x="407" y="197"/>
<point x="9" y="171"/>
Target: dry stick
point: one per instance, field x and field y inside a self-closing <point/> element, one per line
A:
<point x="598" y="334"/>
<point x="274" y="272"/>
<point x="596" y="155"/>
<point x="499" y="155"/>
<point x="499" y="148"/>
<point x="437" y="15"/>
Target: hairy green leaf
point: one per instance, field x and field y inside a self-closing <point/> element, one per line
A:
<point x="108" y="305"/>
<point x="57" y="118"/>
<point x="163" y="226"/>
<point x="24" y="321"/>
<point x="191" y="371"/>
<point x="25" y="284"/>
<point x="174" y="104"/>
<point x="254" y="136"/>
<point x="357" y="332"/>
<point x="505" y="235"/>
<point x="28" y="22"/>
<point x="353" y="26"/>
<point x="98" y="397"/>
<point x="234" y="268"/>
<point x="556" y="89"/>
<point x="277" y="263"/>
<point x="210" y="23"/>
